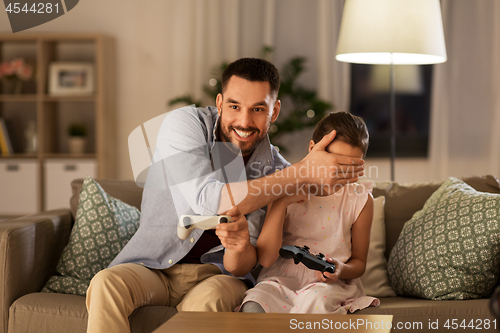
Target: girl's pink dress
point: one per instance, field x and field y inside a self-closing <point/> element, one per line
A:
<point x="324" y="225"/>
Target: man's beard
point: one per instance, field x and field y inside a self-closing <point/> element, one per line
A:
<point x="226" y="136"/>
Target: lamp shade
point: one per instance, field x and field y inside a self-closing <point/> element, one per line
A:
<point x="391" y="31"/>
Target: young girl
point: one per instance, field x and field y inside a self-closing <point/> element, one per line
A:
<point x="333" y="221"/>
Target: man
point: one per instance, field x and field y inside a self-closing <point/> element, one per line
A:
<point x="198" y="274"/>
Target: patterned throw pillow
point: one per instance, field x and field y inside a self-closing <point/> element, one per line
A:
<point x="451" y="248"/>
<point x="103" y="225"/>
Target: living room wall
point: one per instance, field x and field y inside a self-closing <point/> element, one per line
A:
<point x="167" y="48"/>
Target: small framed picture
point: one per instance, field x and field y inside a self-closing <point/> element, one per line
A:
<point x="71" y="79"/>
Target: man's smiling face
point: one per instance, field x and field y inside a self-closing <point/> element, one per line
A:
<point x="246" y="109"/>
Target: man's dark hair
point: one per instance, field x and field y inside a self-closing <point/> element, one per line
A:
<point x="350" y="129"/>
<point x="253" y="69"/>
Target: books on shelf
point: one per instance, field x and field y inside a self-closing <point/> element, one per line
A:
<point x="5" y="143"/>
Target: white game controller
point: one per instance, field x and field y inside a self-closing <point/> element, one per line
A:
<point x="189" y="222"/>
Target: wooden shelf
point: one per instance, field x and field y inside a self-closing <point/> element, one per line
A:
<point x="18" y="156"/>
<point x="53" y="115"/>
<point x="69" y="156"/>
<point x="46" y="98"/>
<point x="18" y="98"/>
<point x="51" y="37"/>
<point x="86" y="98"/>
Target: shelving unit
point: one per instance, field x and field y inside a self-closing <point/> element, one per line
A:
<point x="54" y="114"/>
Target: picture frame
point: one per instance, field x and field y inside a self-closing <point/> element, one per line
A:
<point x="71" y="79"/>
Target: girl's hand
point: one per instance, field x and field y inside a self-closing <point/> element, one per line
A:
<point x="329" y="277"/>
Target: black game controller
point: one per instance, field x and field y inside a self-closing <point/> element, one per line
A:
<point x="301" y="254"/>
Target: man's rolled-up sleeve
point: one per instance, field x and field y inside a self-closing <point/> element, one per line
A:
<point x="183" y="152"/>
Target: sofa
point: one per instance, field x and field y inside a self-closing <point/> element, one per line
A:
<point x="30" y="248"/>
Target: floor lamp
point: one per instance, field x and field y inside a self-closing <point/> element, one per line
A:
<point x="391" y="32"/>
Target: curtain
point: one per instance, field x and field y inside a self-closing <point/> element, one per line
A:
<point x="333" y="76"/>
<point x="205" y="33"/>
<point x="465" y="125"/>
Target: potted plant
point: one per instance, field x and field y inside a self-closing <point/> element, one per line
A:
<point x="77" y="138"/>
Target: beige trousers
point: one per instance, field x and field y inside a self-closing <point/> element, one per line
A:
<point x="115" y="292"/>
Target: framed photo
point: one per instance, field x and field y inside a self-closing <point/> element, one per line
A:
<point x="71" y="79"/>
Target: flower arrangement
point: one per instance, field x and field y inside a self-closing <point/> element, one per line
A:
<point x="14" y="72"/>
<point x="17" y="68"/>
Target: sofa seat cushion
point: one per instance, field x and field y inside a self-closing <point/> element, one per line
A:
<point x="62" y="313"/>
<point x="416" y="311"/>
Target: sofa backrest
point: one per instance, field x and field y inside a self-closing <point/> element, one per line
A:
<point x="401" y="200"/>
<point x="124" y="190"/>
<point x="404" y="200"/>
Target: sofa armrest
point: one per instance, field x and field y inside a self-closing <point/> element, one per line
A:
<point x="30" y="248"/>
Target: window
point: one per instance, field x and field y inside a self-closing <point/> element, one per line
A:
<point x="370" y="99"/>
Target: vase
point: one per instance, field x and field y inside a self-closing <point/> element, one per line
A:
<point x="30" y="138"/>
<point x="12" y="86"/>
<point x="77" y="145"/>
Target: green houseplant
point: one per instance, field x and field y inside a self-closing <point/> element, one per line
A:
<point x="77" y="138"/>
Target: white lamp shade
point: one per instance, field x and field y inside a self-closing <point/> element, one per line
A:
<point x="397" y="31"/>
